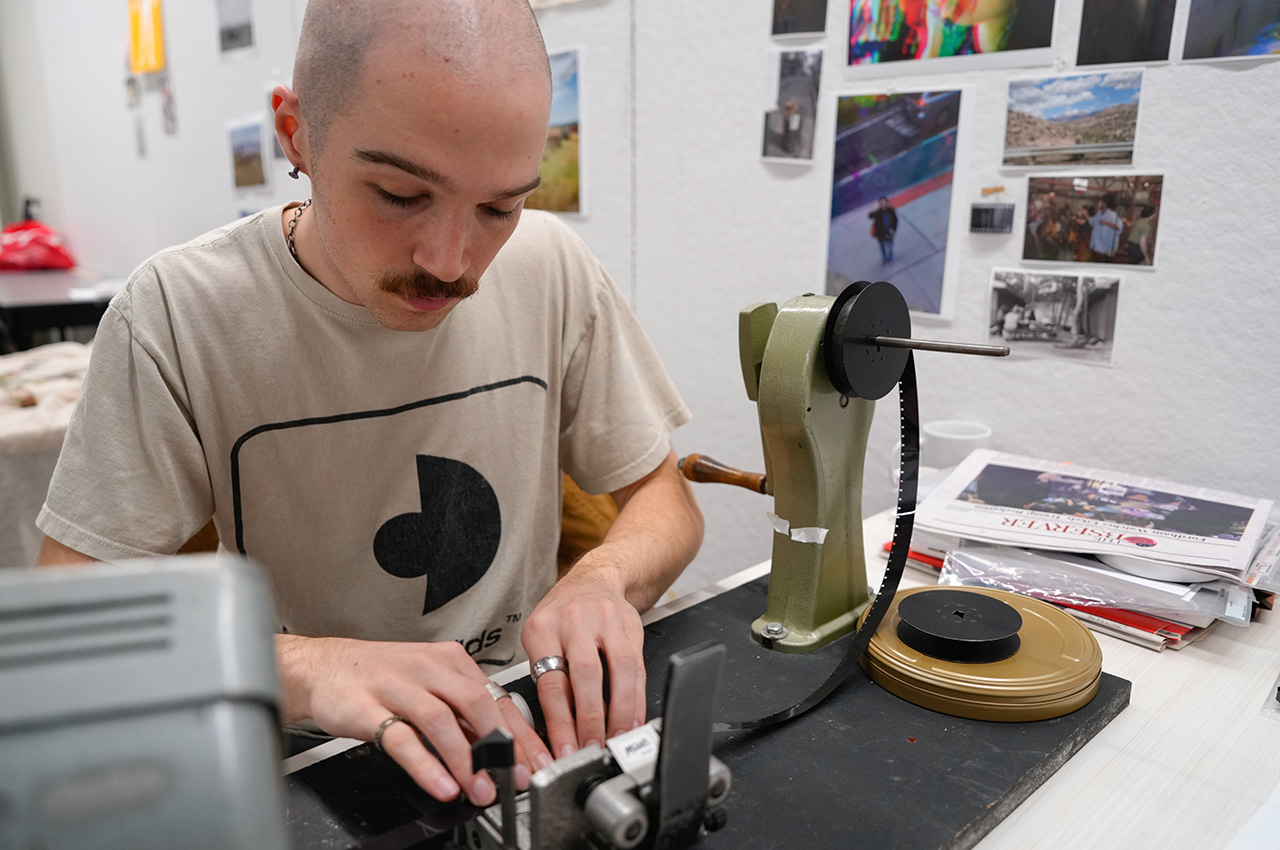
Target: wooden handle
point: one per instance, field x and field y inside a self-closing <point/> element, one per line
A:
<point x="704" y="469"/>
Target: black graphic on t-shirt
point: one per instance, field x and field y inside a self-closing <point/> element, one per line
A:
<point x="452" y="540"/>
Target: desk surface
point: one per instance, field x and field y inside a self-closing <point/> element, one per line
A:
<point x="55" y="286"/>
<point x="1185" y="765"/>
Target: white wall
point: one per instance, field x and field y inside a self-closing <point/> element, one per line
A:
<point x="710" y="228"/>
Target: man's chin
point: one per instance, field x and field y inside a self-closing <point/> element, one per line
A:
<point x="402" y="315"/>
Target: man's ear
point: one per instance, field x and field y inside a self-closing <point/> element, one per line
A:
<point x="290" y="128"/>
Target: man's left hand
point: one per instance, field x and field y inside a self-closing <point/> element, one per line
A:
<point x="585" y="615"/>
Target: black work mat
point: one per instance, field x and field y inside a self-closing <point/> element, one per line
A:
<point x="863" y="770"/>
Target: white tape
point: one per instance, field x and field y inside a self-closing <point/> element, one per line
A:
<point x="636" y="752"/>
<point x="809" y="535"/>
<point x="780" y="525"/>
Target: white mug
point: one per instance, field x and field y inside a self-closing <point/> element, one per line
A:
<point x="944" y="443"/>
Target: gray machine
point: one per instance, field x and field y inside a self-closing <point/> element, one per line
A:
<point x="138" y="707"/>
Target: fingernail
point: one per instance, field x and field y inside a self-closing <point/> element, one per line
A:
<point x="446" y="788"/>
<point x="522" y="777"/>
<point x="543" y="760"/>
<point x="567" y="750"/>
<point x="482" y="791"/>
<point x="594" y="742"/>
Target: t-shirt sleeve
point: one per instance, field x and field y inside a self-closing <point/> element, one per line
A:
<point x="132" y="479"/>
<point x="619" y="405"/>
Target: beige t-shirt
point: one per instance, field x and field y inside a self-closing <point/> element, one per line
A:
<point x="396" y="486"/>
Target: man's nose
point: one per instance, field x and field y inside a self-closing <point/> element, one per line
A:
<point x="442" y="247"/>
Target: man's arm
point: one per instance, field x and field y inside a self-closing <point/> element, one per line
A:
<point x="596" y="608"/>
<point x="54" y="554"/>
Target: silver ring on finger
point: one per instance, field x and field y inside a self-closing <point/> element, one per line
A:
<point x="547" y="664"/>
<point x="382" y="727"/>
<point x="496" y="691"/>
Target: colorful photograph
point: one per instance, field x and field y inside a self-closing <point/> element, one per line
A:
<point x="788" y="127"/>
<point x="246" y="154"/>
<point x="1070" y="495"/>
<point x="561" y="190"/>
<point x="883" y="31"/>
<point x="1108" y="219"/>
<point x="895" y="157"/>
<point x="1122" y="31"/>
<point x="1062" y="316"/>
<point x="792" y="17"/>
<point x="1089" y="119"/>
<point x="1228" y="29"/>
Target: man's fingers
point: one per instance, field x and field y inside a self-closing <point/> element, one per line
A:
<point x="530" y="751"/>
<point x="401" y="742"/>
<point x="437" y="722"/>
<point x="556" y="699"/>
<point x="626" y="689"/>
<point x="586" y="677"/>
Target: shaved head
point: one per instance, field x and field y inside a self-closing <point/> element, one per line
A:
<point x="469" y="38"/>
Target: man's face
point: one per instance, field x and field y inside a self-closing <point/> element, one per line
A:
<point x="421" y="181"/>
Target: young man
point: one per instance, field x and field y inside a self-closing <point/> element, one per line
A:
<point x="375" y="404"/>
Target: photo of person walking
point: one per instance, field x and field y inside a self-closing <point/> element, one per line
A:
<point x="884" y="223"/>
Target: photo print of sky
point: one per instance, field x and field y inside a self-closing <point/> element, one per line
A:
<point x="1087" y="119"/>
<point x="561" y="190"/>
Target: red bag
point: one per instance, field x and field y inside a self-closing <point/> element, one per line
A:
<point x="28" y="245"/>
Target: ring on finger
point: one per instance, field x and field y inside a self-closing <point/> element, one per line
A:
<point x="382" y="727"/>
<point x="496" y="691"/>
<point x="547" y="664"/>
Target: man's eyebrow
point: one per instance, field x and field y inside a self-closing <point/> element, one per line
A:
<point x="420" y="171"/>
<point x="430" y="175"/>
<point x="528" y="187"/>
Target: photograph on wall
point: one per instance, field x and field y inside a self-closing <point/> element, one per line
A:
<point x="1125" y="31"/>
<point x="1084" y="119"/>
<point x="247" y="168"/>
<point x="561" y="189"/>
<point x="891" y="194"/>
<point x="235" y="25"/>
<point x="1232" y="29"/>
<point x="799" y="17"/>
<point x="790" y="119"/>
<point x="1102" y="219"/>
<point x="1064" y="316"/>
<point x="935" y="35"/>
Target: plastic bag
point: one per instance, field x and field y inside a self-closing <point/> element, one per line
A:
<point x="29" y="245"/>
<point x="1060" y="577"/>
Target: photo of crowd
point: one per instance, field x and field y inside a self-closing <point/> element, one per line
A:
<point x="1093" y="219"/>
<point x="1065" y="495"/>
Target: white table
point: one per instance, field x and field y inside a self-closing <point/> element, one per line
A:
<point x="31" y="439"/>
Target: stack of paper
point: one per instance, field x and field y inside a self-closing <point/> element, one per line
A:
<point x="1145" y="559"/>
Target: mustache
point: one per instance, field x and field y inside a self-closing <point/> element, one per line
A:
<point x="423" y="284"/>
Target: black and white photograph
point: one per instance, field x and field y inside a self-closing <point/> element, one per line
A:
<point x="235" y="25"/>
<point x="789" y="125"/>
<point x="1093" y="219"/>
<point x="799" y="17"/>
<point x="1114" y="32"/>
<point x="1063" y="316"/>
<point x="1081" y="119"/>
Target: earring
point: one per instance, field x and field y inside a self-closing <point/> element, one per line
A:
<point x="294" y="173"/>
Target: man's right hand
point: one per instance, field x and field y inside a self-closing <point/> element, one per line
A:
<point x="349" y="687"/>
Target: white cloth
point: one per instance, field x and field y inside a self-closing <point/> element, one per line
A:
<point x="380" y="476"/>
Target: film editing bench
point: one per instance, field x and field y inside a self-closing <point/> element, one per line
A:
<point x="913" y="718"/>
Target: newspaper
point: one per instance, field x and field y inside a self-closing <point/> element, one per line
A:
<point x="1026" y="502"/>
